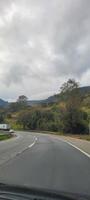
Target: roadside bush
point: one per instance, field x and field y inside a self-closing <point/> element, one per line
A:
<point x="39" y="120"/>
<point x="75" y="121"/>
<point x="67" y="120"/>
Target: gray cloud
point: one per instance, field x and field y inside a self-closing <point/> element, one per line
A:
<point x="42" y="42"/>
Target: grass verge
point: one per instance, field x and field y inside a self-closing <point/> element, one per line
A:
<point x="5" y="136"/>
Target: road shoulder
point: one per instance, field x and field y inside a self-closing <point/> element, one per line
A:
<point x="83" y="145"/>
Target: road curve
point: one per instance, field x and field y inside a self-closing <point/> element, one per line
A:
<point x="10" y="148"/>
<point x="43" y="161"/>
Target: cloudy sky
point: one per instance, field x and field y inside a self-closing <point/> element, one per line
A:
<point x="42" y="44"/>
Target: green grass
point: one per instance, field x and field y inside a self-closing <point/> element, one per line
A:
<point x="5" y="136"/>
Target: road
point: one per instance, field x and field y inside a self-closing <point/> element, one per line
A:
<point x="44" y="161"/>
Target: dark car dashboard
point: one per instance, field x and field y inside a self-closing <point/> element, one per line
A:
<point x="8" y="192"/>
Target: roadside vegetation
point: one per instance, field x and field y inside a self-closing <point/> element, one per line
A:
<point x="70" y="114"/>
<point x="5" y="136"/>
<point x="83" y="137"/>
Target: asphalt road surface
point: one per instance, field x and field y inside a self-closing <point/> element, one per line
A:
<point x="43" y="161"/>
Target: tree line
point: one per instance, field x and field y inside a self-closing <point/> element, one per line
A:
<point x="68" y="117"/>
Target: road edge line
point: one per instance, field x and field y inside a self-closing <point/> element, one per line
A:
<point x="74" y="146"/>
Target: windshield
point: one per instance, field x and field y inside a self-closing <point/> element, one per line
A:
<point x="45" y="94"/>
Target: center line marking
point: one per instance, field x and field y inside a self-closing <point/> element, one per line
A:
<point x="31" y="145"/>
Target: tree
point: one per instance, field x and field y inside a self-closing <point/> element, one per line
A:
<point x="74" y="121"/>
<point x="69" y="86"/>
<point x="39" y="120"/>
<point x="1" y="118"/>
<point x="22" y="98"/>
<point x="70" y="90"/>
<point x="23" y="118"/>
<point x="22" y="102"/>
<point x="73" y="118"/>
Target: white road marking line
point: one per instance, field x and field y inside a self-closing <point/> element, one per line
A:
<point x="36" y="139"/>
<point x="86" y="154"/>
<point x="31" y="145"/>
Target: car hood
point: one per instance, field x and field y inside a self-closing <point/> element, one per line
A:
<point x="18" y="193"/>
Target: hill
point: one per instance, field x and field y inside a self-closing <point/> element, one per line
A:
<point x="57" y="97"/>
<point x="3" y="103"/>
<point x="84" y="91"/>
<point x="51" y="99"/>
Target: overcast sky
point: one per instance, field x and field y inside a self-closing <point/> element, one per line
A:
<point x="42" y="44"/>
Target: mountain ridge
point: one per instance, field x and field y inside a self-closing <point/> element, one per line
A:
<point x="52" y="99"/>
<point x="3" y="103"/>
